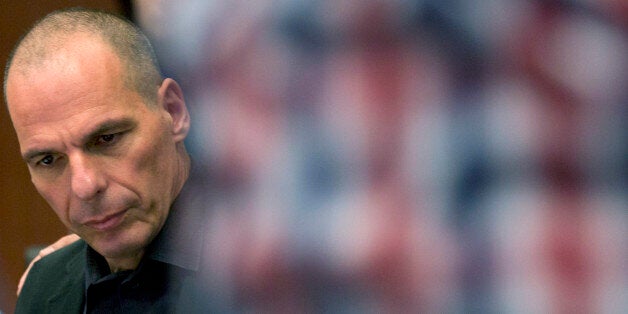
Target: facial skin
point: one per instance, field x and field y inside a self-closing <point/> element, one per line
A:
<point x="109" y="165"/>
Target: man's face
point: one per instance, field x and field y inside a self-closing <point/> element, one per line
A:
<point x="104" y="160"/>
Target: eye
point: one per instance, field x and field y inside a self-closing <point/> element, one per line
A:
<point x="106" y="139"/>
<point x="47" y="160"/>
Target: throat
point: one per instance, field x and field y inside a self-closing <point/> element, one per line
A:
<point x="125" y="263"/>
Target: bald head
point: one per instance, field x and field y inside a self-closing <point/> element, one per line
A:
<point x="50" y="36"/>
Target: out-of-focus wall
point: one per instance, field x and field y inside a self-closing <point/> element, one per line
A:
<point x="388" y="156"/>
<point x="25" y="218"/>
<point x="408" y="156"/>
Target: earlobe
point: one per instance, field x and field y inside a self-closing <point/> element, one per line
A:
<point x="171" y="100"/>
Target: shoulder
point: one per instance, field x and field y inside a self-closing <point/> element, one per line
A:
<point x="57" y="264"/>
<point x="63" y="268"/>
<point x="62" y="257"/>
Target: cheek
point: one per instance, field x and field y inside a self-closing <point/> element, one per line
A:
<point x="153" y="156"/>
<point x="146" y="158"/>
<point x="147" y="167"/>
<point x="144" y="164"/>
<point x="56" y="196"/>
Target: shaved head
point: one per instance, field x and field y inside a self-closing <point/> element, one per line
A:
<point x="50" y="35"/>
<point x="101" y="132"/>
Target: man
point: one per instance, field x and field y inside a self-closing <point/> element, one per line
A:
<point x="103" y="136"/>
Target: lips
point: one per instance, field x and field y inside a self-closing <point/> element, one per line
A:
<point x="108" y="222"/>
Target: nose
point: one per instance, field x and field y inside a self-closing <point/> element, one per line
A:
<point x="87" y="178"/>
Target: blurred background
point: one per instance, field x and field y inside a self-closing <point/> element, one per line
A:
<point x="439" y="156"/>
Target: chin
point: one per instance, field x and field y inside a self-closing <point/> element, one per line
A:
<point x="120" y="245"/>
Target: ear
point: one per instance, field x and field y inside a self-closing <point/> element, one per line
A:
<point x="171" y="100"/>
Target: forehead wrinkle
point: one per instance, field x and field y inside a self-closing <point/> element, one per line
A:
<point x="42" y="142"/>
<point x="48" y="116"/>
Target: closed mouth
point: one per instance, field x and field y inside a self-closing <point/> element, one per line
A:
<point x="107" y="222"/>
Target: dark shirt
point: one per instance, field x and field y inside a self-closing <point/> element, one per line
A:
<point x="155" y="285"/>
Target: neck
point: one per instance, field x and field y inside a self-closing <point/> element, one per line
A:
<point x="125" y="263"/>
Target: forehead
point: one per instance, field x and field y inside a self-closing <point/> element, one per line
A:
<point x="78" y="83"/>
<point x="75" y="66"/>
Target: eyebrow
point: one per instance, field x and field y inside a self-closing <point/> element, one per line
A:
<point x="107" y="126"/>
